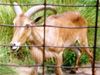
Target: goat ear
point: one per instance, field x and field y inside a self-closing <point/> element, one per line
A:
<point x="17" y="8"/>
<point x="37" y="19"/>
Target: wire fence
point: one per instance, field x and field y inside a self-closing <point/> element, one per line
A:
<point x="97" y="5"/>
<point x="61" y="5"/>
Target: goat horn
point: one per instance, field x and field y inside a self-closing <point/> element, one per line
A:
<point x="17" y="8"/>
<point x="37" y="8"/>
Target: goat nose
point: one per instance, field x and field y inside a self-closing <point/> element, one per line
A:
<point x="15" y="46"/>
<point x="12" y="46"/>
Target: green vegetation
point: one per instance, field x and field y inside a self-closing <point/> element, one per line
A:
<point x="4" y="70"/>
<point x="7" y="15"/>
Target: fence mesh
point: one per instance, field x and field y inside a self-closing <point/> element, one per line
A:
<point x="97" y="5"/>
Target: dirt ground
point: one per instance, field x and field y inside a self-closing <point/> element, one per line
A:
<point x="81" y="71"/>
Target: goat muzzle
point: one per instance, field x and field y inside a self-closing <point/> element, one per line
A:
<point x="14" y="47"/>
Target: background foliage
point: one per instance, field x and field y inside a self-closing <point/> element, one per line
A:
<point x="7" y="15"/>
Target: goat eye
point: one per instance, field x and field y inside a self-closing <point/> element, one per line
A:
<point x="27" y="25"/>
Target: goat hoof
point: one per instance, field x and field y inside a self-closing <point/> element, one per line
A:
<point x="73" y="71"/>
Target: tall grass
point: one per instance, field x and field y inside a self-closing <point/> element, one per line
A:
<point x="7" y="15"/>
<point x="4" y="70"/>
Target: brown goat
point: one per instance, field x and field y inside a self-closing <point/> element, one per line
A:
<point x="56" y="39"/>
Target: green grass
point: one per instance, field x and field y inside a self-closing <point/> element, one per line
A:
<point x="4" y="70"/>
<point x="7" y="15"/>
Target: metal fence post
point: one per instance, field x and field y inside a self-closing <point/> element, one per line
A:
<point x="95" y="38"/>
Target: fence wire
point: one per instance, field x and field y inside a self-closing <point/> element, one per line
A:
<point x="61" y="5"/>
<point x="97" y="5"/>
<point x="47" y="46"/>
<point x="50" y="66"/>
<point x="95" y="38"/>
<point x="67" y="27"/>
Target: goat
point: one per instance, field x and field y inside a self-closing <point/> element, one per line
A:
<point x="56" y="39"/>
